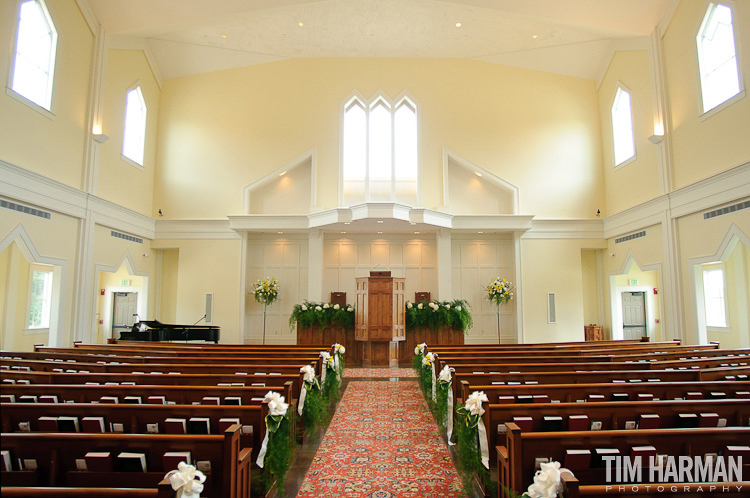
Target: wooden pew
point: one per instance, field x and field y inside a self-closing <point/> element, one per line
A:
<point x="613" y="415"/>
<point x="156" y="357"/>
<point x="164" y="490"/>
<point x="56" y="456"/>
<point x="516" y="459"/>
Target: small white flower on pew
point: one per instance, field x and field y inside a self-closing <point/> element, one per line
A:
<point x="445" y="374"/>
<point x="186" y="481"/>
<point x="445" y="378"/>
<point x="327" y="361"/>
<point x="308" y="381"/>
<point x="429" y="361"/>
<point x="547" y="481"/>
<point x="419" y="349"/>
<point x="474" y="402"/>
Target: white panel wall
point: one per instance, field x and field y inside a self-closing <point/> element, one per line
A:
<point x="286" y="259"/>
<point x="476" y="261"/>
<point x="412" y="257"/>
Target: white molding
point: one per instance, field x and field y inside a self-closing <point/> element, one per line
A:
<point x="194" y="229"/>
<point x="311" y="155"/>
<point x="666" y="19"/>
<point x="123" y="42"/>
<point x="643" y="215"/>
<point x="88" y="15"/>
<point x="32" y="188"/>
<point x="565" y="229"/>
<point x="499" y="222"/>
<point x="267" y="222"/>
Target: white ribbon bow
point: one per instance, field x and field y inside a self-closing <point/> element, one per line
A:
<point x="187" y="481"/>
<point x="474" y="405"/>
<point x="547" y="481"/>
<point x="326" y="356"/>
<point x="309" y="376"/>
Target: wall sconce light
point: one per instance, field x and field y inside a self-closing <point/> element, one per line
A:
<point x="656" y="139"/>
<point x="100" y="138"/>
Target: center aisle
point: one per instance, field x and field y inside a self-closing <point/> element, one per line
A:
<point x="382" y="443"/>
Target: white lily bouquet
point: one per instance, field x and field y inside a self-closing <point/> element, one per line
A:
<point x="471" y="418"/>
<point x="500" y="291"/>
<point x="338" y="358"/>
<point x="444" y="402"/>
<point x="266" y="291"/>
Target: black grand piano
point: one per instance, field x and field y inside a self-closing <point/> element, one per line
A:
<point x="155" y="331"/>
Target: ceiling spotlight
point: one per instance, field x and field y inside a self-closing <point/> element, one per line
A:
<point x="343" y="232"/>
<point x="480" y="175"/>
<point x="480" y="232"/>
<point x="380" y="221"/>
<point x="224" y="36"/>
<point x="300" y="24"/>
<point x="535" y="36"/>
<point x="279" y="233"/>
<point x="416" y="233"/>
<point x="380" y="233"/>
<point x="347" y="223"/>
<point x="282" y="173"/>
<point x="458" y="24"/>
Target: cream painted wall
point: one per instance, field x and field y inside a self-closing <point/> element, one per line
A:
<point x="648" y="279"/>
<point x="287" y="194"/>
<point x="553" y="266"/>
<point x="637" y="181"/>
<point x="104" y="309"/>
<point x="469" y="194"/>
<point x="53" y="238"/>
<point x="699" y="238"/>
<point x="52" y="147"/>
<point x="737" y="274"/>
<point x="647" y="252"/>
<point x="119" y="180"/>
<point x="701" y="148"/>
<point x="204" y="267"/>
<point x="592" y="314"/>
<point x="538" y="131"/>
<point x="168" y="275"/>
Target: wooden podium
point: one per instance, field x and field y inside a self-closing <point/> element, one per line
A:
<point x="381" y="318"/>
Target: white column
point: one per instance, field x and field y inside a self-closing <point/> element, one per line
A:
<point x="96" y="83"/>
<point x="315" y="266"/>
<point x="444" y="265"/>
<point x="83" y="310"/>
<point x="660" y="113"/>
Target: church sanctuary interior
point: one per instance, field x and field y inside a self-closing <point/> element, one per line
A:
<point x="419" y="232"/>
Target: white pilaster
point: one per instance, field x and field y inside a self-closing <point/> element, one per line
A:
<point x="315" y="266"/>
<point x="94" y="118"/>
<point x="83" y="311"/>
<point x="444" y="265"/>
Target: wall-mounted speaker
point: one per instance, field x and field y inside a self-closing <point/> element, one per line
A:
<point x="551" y="314"/>
<point x="209" y="307"/>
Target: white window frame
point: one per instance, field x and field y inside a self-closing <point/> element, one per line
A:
<point x="136" y="87"/>
<point x="35" y="268"/>
<point x="705" y="114"/>
<point x="393" y="105"/>
<point x="622" y="88"/>
<point x="719" y="266"/>
<point x="50" y="100"/>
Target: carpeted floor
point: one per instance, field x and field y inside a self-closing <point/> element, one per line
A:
<point x="375" y="373"/>
<point x="382" y="443"/>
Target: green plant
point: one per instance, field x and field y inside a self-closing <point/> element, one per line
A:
<point x="279" y="452"/>
<point x="315" y="411"/>
<point x="309" y="314"/>
<point x="435" y="314"/>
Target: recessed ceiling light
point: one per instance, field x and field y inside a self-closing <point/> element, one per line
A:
<point x="380" y="233"/>
<point x="535" y="36"/>
<point x="458" y="24"/>
<point x="380" y="221"/>
<point x="478" y="174"/>
<point x="347" y="223"/>
<point x="300" y="24"/>
<point x="412" y="223"/>
<point x="416" y="233"/>
<point x="223" y="36"/>
<point x="343" y="232"/>
<point x="282" y="173"/>
<point x="279" y="233"/>
<point x="480" y="232"/>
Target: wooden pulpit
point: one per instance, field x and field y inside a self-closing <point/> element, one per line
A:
<point x="381" y="318"/>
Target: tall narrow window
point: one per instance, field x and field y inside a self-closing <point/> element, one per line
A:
<point x="717" y="57"/>
<point x="36" y="45"/>
<point x="380" y="151"/>
<point x="714" y="295"/>
<point x="40" y="299"/>
<point x="134" y="138"/>
<point x="622" y="127"/>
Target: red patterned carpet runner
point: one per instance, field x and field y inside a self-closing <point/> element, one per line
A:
<point x="375" y="373"/>
<point x="382" y="443"/>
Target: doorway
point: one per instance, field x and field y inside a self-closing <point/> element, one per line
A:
<point x="633" y="315"/>
<point x="124" y="309"/>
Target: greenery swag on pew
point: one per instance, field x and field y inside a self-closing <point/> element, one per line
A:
<point x="331" y="379"/>
<point x="277" y="457"/>
<point x="435" y="314"/>
<point x="469" y="461"/>
<point x="311" y="406"/>
<point x="309" y="314"/>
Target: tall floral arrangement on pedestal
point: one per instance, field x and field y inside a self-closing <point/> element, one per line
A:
<point x="266" y="291"/>
<point x="499" y="291"/>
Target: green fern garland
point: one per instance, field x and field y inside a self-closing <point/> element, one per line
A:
<point x="279" y="452"/>
<point x="441" y="403"/>
<point x="314" y="412"/>
<point x="467" y="448"/>
<point x="331" y="386"/>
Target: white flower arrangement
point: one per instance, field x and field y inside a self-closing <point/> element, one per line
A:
<point x="445" y="374"/>
<point x="499" y="291"/>
<point x="474" y="402"/>
<point x="276" y="404"/>
<point x="187" y="481"/>
<point x="547" y="481"/>
<point x="336" y="307"/>
<point x="339" y="349"/>
<point x="419" y="349"/>
<point x="409" y="305"/>
<point x="266" y="291"/>
<point x="428" y="359"/>
<point x="309" y="373"/>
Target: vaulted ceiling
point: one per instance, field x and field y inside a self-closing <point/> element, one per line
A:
<point x="571" y="37"/>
